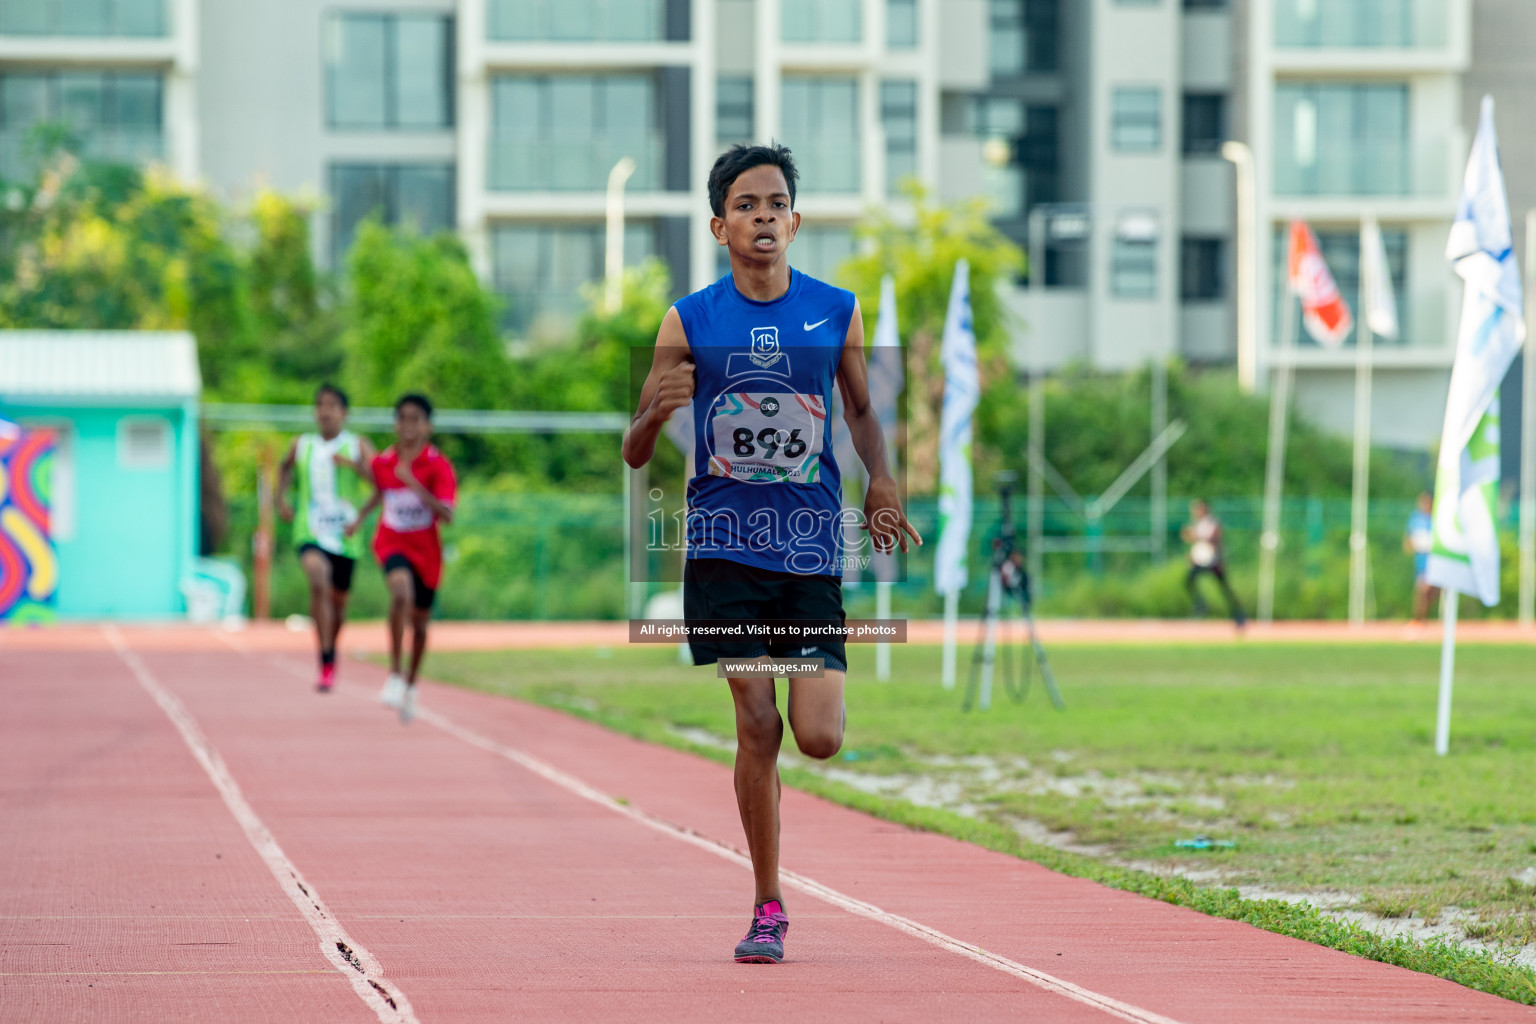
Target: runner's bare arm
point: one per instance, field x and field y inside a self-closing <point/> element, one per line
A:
<point x="883" y="516"/>
<point x="366" y="511"/>
<point x="668" y="387"/>
<point x="363" y="466"/>
<point x="285" y="480"/>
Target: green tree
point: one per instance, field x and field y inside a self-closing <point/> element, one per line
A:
<point x="292" y="303"/>
<point x="920" y="254"/>
<point x="108" y="247"/>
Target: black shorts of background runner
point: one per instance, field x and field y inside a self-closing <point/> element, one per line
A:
<point x="718" y="588"/>
<point x="341" y="566"/>
<point x="425" y="595"/>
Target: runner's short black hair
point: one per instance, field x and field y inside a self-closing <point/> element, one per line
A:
<point x="331" y="389"/>
<point x="739" y="159"/>
<point x="420" y="401"/>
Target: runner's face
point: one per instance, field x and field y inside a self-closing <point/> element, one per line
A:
<point x="330" y="414"/>
<point x="758" y="224"/>
<point x="411" y="424"/>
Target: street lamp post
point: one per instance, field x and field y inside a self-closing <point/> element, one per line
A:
<point x="1247" y="266"/>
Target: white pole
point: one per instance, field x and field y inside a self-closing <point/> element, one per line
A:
<point x="883" y="651"/>
<point x="951" y="624"/>
<point x="1449" y="599"/>
<point x="1528" y="438"/>
<point x="1360" y="503"/>
<point x="1247" y="267"/>
<point x="989" y="642"/>
<point x="613" y="263"/>
<point x="1159" y="523"/>
<point x="1035" y="437"/>
<point x="1274" y="470"/>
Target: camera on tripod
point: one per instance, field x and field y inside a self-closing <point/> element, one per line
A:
<point x="1007" y="587"/>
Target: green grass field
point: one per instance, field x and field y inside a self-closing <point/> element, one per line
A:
<point x="1315" y="762"/>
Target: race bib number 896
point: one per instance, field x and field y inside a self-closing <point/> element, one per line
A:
<point x="766" y="437"/>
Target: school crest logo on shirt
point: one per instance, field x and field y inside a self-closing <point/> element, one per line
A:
<point x="765" y="346"/>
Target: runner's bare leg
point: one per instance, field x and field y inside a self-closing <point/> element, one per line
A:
<point x="759" y="732"/>
<point x="317" y="570"/>
<point x="402" y="591"/>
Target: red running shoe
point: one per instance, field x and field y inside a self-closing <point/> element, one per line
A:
<point x="327" y="678"/>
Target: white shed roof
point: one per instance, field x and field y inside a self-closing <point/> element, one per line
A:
<point x="99" y="365"/>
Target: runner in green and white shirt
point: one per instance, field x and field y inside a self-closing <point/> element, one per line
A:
<point x="333" y="469"/>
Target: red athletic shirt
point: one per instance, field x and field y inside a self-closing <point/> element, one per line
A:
<point x="408" y="527"/>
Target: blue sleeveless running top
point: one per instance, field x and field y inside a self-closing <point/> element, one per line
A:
<point x="766" y="490"/>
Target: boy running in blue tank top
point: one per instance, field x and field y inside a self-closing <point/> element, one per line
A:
<point x="756" y="355"/>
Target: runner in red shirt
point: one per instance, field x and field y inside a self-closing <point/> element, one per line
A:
<point x="415" y="484"/>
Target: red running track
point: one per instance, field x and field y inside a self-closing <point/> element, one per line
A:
<point x="478" y="868"/>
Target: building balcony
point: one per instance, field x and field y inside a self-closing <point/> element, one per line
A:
<point x="118" y="19"/>
<point x="130" y="146"/>
<point x="577" y="166"/>
<point x="576" y="21"/>
<point x="1380" y="170"/>
<point x="1368" y="35"/>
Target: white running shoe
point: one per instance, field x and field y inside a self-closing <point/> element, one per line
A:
<point x="394" y="689"/>
<point x="408" y="705"/>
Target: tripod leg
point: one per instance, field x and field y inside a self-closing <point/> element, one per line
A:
<point x="989" y="641"/>
<point x="978" y="656"/>
<point x="1046" y="675"/>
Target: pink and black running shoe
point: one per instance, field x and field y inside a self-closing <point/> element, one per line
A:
<point x="764" y="942"/>
<point x="327" y="678"/>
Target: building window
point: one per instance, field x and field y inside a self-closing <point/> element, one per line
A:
<point x="565" y="132"/>
<point x="105" y="115"/>
<point x="820" y="251"/>
<point x="578" y="21"/>
<point x="541" y="269"/>
<point x="1024" y="36"/>
<point x="1359" y="23"/>
<point x="822" y="21"/>
<point x="1344" y="139"/>
<point x="1202" y="269"/>
<point x="418" y="197"/>
<point x="72" y="18"/>
<point x="1138" y="120"/>
<point x="1205" y="122"/>
<point x="898" y="117"/>
<point x="389" y="72"/>
<point x="733" y="109"/>
<point x="1133" y="259"/>
<point x="1341" y="251"/>
<point x="820" y="121"/>
<point x="1205" y="5"/>
<point x="144" y="442"/>
<point x="900" y="24"/>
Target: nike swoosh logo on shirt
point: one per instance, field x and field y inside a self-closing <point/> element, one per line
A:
<point x="818" y="323"/>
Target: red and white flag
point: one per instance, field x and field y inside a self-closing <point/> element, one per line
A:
<point x="1323" y="310"/>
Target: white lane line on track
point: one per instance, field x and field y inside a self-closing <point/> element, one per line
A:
<point x="1050" y="983"/>
<point x="358" y="965"/>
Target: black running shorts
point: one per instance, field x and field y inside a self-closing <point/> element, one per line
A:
<point x="425" y="595"/>
<point x="341" y="566"/>
<point x="718" y="588"/>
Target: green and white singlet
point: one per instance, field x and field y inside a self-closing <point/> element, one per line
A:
<point x="329" y="495"/>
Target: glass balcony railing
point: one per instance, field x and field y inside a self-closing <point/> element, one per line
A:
<point x="110" y="18"/>
<point x="1359" y="169"/>
<point x="576" y="166"/>
<point x="577" y="21"/>
<point x="19" y="155"/>
<point x="1375" y="24"/>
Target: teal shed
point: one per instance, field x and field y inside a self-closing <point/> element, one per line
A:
<point x="124" y="510"/>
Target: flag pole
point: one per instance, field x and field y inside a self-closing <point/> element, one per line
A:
<point x="1359" y="504"/>
<point x="1274" y="470"/>
<point x="1449" y="599"/>
<point x="883" y="650"/>
<point x="951" y="623"/>
<point x="1528" y="438"/>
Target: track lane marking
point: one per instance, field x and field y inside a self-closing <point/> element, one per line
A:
<point x="1048" y="982"/>
<point x="345" y="954"/>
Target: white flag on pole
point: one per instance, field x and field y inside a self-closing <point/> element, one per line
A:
<point x="1465" y="557"/>
<point x="1380" y="298"/>
<point x="962" y="389"/>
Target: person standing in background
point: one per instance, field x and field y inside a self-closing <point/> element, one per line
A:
<point x="1203" y="535"/>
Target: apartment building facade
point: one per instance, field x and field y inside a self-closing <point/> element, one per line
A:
<point x="1093" y="126"/>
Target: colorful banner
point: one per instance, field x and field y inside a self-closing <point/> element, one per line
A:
<point x="29" y="566"/>
<point x="1323" y="310"/>
<point x="962" y="390"/>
